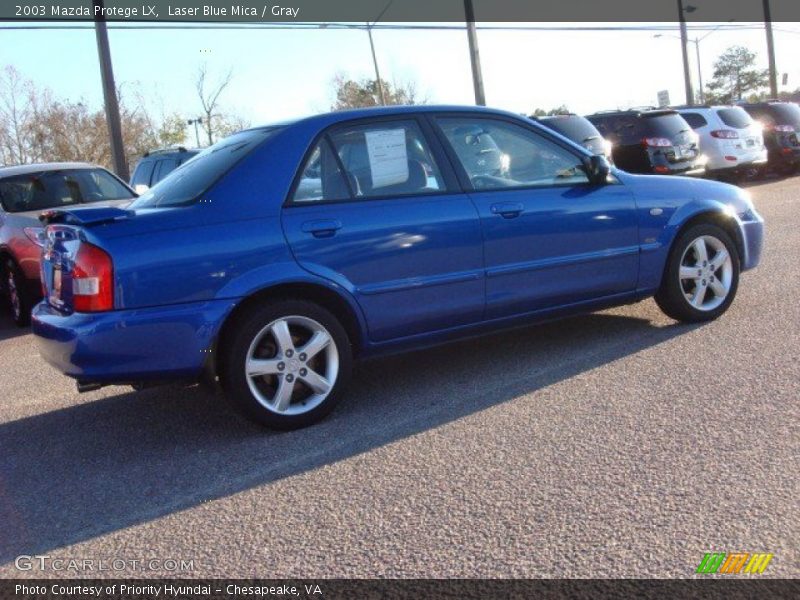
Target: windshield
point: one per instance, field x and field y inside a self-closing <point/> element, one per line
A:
<point x="668" y="125"/>
<point x="53" y="189"/>
<point x="577" y="129"/>
<point x="185" y="184"/>
<point x="735" y="117"/>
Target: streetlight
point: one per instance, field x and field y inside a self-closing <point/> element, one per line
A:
<point x="687" y="79"/>
<point x="369" y="27"/>
<point x="196" y="122"/>
<point x="696" y="41"/>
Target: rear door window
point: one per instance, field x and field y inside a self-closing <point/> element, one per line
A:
<point x="386" y="158"/>
<point x="321" y="178"/>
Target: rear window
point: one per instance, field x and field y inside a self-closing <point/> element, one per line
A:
<point x="577" y="129"/>
<point x="662" y="125"/>
<point x="183" y="186"/>
<point x="695" y="120"/>
<point x="785" y="114"/>
<point x="620" y="129"/>
<point x="53" y="189"/>
<point x="735" y="117"/>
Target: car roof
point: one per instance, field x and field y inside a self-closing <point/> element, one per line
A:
<point x="331" y="118"/>
<point x="634" y="111"/>
<point x="162" y="152"/>
<point x="40" y="167"/>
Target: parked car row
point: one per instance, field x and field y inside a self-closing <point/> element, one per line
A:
<point x="272" y="260"/>
<point x="717" y="141"/>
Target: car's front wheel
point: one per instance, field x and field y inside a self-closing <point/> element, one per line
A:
<point x="702" y="275"/>
<point x="285" y="363"/>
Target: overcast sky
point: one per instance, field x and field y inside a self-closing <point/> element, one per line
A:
<point x="283" y="74"/>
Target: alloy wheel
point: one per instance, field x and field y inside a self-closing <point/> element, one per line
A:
<point x="292" y="365"/>
<point x="706" y="273"/>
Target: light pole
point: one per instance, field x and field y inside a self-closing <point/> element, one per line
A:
<point x="696" y="41"/>
<point x="110" y="93"/>
<point x="381" y="93"/>
<point x="196" y="122"/>
<point x="687" y="78"/>
<point x="773" y="72"/>
<point x="474" y="54"/>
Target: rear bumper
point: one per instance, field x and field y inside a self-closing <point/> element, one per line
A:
<point x="126" y="346"/>
<point x="742" y="163"/>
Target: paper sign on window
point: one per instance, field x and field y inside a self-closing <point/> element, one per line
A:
<point x="388" y="158"/>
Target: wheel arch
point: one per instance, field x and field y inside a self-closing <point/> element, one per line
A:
<point x="715" y="217"/>
<point x="342" y="308"/>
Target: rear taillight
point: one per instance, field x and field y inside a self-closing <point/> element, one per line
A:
<point x="725" y="134"/>
<point x="92" y="280"/>
<point x="657" y="142"/>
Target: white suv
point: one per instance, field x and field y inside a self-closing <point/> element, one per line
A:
<point x="729" y="137"/>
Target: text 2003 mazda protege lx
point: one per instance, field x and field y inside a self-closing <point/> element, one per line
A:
<point x="276" y="257"/>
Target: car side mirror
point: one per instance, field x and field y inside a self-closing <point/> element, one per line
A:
<point x="597" y="169"/>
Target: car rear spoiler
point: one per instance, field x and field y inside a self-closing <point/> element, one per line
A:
<point x="85" y="216"/>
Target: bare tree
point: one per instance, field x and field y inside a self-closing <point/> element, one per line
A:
<point x="16" y="112"/>
<point x="35" y="126"/>
<point x="209" y="94"/>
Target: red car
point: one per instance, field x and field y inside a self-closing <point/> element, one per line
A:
<point x="27" y="190"/>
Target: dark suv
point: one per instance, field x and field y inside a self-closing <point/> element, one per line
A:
<point x="781" y="123"/>
<point x="580" y="130"/>
<point x="651" y="141"/>
<point x="156" y="165"/>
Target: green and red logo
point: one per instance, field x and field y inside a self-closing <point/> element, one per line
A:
<point x="734" y="563"/>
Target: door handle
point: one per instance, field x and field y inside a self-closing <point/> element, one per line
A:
<point x="507" y="210"/>
<point x="322" y="229"/>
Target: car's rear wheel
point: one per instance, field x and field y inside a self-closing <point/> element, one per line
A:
<point x="284" y="364"/>
<point x="702" y="275"/>
<point x="16" y="288"/>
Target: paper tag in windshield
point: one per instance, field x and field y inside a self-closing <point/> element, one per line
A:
<point x="388" y="158"/>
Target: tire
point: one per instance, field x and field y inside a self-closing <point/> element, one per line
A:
<point x="288" y="388"/>
<point x="692" y="291"/>
<point x="18" y="295"/>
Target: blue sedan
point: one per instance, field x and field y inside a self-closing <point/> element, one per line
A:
<point x="275" y="258"/>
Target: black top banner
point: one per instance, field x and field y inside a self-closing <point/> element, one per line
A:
<point x="397" y="11"/>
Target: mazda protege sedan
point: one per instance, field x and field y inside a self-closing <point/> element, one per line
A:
<point x="279" y="255"/>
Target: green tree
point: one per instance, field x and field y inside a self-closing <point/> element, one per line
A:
<point x="735" y="76"/>
<point x="349" y="93"/>
<point x="559" y="110"/>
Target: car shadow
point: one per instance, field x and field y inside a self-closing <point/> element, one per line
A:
<point x="100" y="466"/>
<point x="8" y="329"/>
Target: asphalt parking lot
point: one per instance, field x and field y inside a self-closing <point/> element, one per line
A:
<point x="617" y="444"/>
